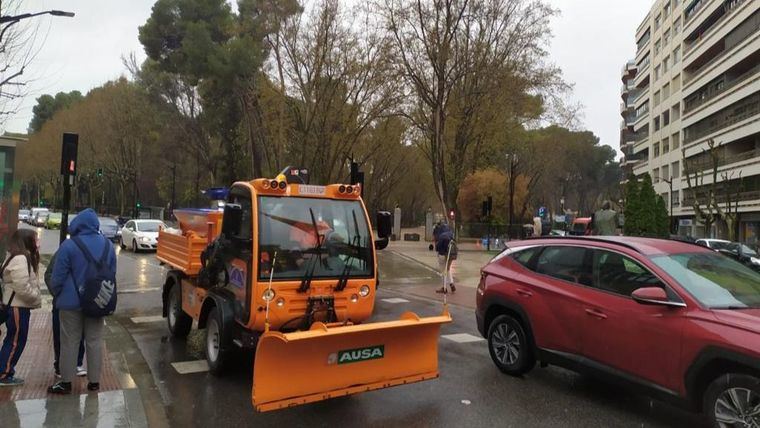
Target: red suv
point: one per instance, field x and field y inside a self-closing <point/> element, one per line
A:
<point x="677" y="319"/>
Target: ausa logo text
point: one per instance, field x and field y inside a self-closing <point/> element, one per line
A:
<point x="356" y="355"/>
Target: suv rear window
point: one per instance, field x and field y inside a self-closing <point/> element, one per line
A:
<point x="524" y="256"/>
<point x="566" y="263"/>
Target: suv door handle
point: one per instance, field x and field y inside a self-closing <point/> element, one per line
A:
<point x="523" y="292"/>
<point x="596" y="314"/>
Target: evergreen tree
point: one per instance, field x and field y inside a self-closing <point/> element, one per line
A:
<point x="663" y="219"/>
<point x="632" y="207"/>
<point x="647" y="217"/>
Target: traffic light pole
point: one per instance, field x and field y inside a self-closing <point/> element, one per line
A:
<point x="67" y="182"/>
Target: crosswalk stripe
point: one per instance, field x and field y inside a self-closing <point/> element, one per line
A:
<point x="188" y="367"/>
<point x="395" y="300"/>
<point x="462" y="338"/>
<point x="152" y="318"/>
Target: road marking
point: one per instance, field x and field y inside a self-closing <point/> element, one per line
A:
<point x="139" y="290"/>
<point x="188" y="367"/>
<point x="152" y="318"/>
<point x="395" y="300"/>
<point x="462" y="338"/>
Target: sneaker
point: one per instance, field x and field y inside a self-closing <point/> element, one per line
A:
<point x="453" y="289"/>
<point x="81" y="371"/>
<point x="93" y="386"/>
<point x="11" y="381"/>
<point x="60" y="388"/>
<point x="441" y="290"/>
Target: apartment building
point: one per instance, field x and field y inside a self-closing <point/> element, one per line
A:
<point x="696" y="79"/>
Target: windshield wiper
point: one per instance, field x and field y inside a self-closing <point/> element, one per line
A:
<point x="734" y="307"/>
<point x="343" y="279"/>
<point x="306" y="281"/>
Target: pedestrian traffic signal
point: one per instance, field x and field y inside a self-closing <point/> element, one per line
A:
<point x="69" y="154"/>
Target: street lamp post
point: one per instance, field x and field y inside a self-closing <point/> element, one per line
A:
<point x="10" y="20"/>
<point x="670" y="195"/>
<point x="512" y="165"/>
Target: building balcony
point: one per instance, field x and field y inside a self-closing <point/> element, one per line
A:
<point x="692" y="105"/>
<point x="692" y="9"/>
<point x="731" y="115"/>
<point x="747" y="195"/>
<point x="729" y="7"/>
<point x="743" y="35"/>
<point x="723" y="159"/>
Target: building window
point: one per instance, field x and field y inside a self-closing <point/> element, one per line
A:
<point x="675" y="139"/>
<point x="676" y="83"/>
<point x="657" y="22"/>
<point x="666" y="10"/>
<point x="656" y="150"/>
<point x="666" y="145"/>
<point x="665" y="91"/>
<point x="656" y="173"/>
<point x="675" y="170"/>
<point x="657" y="98"/>
<point x="657" y="123"/>
<point x="666" y="37"/>
<point x="666" y="118"/>
<point x="657" y="72"/>
<point x="665" y="173"/>
<point x="676" y="112"/>
<point x="675" y="198"/>
<point x="676" y="55"/>
<point x="665" y="64"/>
<point x="677" y="26"/>
<point x="657" y="46"/>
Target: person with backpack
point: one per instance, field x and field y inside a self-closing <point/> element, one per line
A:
<point x="19" y="294"/>
<point x="446" y="248"/>
<point x="57" y="329"/>
<point x="84" y="287"/>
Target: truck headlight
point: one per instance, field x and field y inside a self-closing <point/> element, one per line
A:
<point x="364" y="290"/>
<point x="268" y="295"/>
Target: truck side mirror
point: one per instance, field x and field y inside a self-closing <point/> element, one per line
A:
<point x="232" y="219"/>
<point x="384" y="226"/>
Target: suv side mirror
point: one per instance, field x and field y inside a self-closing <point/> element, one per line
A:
<point x="384" y="225"/>
<point x="654" y="296"/>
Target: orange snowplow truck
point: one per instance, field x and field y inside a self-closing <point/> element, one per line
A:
<point x="290" y="270"/>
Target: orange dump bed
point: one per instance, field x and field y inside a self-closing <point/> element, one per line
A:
<point x="182" y="249"/>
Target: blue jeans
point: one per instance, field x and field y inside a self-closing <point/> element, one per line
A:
<point x="15" y="340"/>
<point x="57" y="343"/>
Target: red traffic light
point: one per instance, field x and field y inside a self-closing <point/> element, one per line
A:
<point x="451" y="213"/>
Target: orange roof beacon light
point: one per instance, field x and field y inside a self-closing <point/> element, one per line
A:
<point x="290" y="268"/>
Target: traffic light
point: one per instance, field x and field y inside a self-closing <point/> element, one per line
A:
<point x="69" y="154"/>
<point x="139" y="205"/>
<point x="100" y="172"/>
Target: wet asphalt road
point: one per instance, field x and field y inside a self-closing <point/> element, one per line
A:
<point x="470" y="391"/>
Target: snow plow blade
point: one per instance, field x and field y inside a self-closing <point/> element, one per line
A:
<point x="331" y="361"/>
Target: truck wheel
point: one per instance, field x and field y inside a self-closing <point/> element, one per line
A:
<point x="217" y="351"/>
<point x="179" y="322"/>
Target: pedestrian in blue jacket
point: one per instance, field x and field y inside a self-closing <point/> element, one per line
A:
<point x="69" y="276"/>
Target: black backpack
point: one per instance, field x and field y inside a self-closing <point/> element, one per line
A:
<point x="98" y="298"/>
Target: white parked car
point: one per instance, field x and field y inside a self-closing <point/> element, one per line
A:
<point x="140" y="235"/>
<point x="714" y="244"/>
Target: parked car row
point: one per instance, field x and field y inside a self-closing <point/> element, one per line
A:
<point x="675" y="319"/>
<point x="137" y="235"/>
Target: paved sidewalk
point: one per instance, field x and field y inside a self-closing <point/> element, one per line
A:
<point x="118" y="404"/>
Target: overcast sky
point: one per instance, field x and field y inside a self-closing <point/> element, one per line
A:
<point x="592" y="41"/>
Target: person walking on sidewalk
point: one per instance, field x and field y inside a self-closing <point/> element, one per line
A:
<point x="71" y="272"/>
<point x="447" y="253"/>
<point x="20" y="293"/>
<point x="57" y="329"/>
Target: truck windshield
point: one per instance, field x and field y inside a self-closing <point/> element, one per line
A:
<point x="341" y="244"/>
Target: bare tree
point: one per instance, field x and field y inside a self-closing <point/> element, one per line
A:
<point x="20" y="42"/>
<point x="703" y="197"/>
<point x="731" y="193"/>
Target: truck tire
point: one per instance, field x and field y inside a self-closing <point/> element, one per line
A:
<point x="178" y="321"/>
<point x="217" y="351"/>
